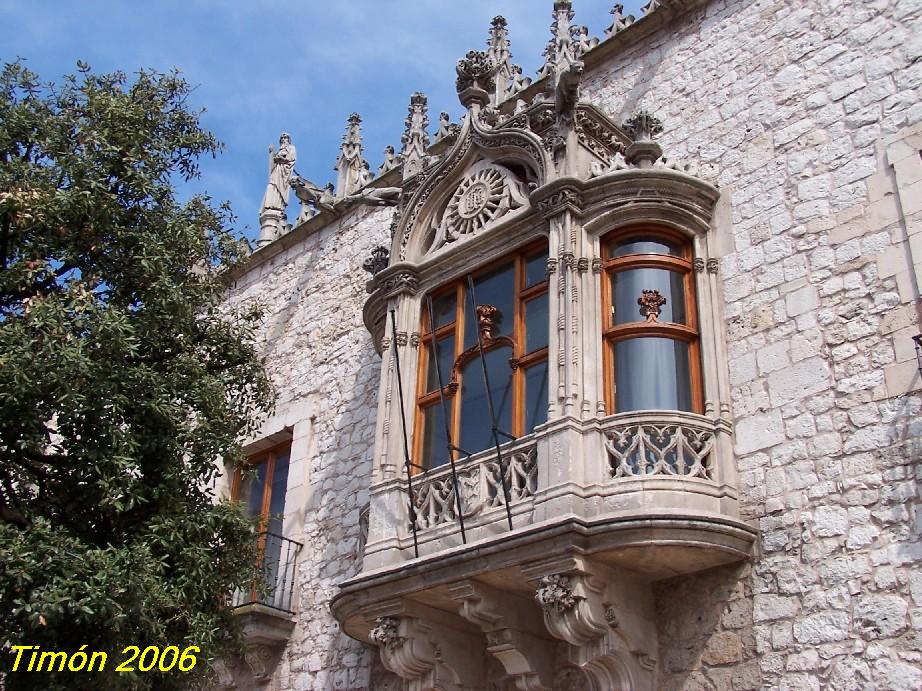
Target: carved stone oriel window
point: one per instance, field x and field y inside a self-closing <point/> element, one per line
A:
<point x="652" y="359"/>
<point x="512" y="321"/>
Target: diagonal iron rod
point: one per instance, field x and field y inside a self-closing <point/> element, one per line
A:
<point x="486" y="383"/>
<point x="451" y="446"/>
<point x="406" y="448"/>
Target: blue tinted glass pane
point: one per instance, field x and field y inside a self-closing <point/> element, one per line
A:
<point x="443" y="310"/>
<point x="644" y="245"/>
<point x="536" y="269"/>
<point x="435" y="446"/>
<point x="535" y="396"/>
<point x="628" y="286"/>
<point x="496" y="288"/>
<point x="256" y="487"/>
<point x="277" y="496"/>
<point x="476" y="426"/>
<point x="536" y="311"/>
<point x="445" y="357"/>
<point x="652" y="374"/>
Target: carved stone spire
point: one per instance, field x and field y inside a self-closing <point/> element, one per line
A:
<point x="350" y="165"/>
<point x="619" y="21"/>
<point x="416" y="136"/>
<point x="561" y="51"/>
<point x="498" y="49"/>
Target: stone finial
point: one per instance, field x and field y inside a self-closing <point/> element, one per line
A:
<point x="561" y="49"/>
<point x="476" y="81"/>
<point x="391" y="160"/>
<point x="642" y="128"/>
<point x="350" y="165"/>
<point x="651" y="6"/>
<point x="562" y="65"/>
<point x="378" y="260"/>
<point x="498" y="49"/>
<point x="272" y="214"/>
<point x="416" y="136"/>
<point x="619" y="21"/>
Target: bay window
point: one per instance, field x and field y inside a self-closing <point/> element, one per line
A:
<point x="511" y="319"/>
<point x="652" y="358"/>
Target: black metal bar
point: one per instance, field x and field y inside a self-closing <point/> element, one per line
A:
<point x="451" y="446"/>
<point x="489" y="392"/>
<point x="278" y="564"/>
<point x="406" y="447"/>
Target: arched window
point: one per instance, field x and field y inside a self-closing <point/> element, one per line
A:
<point x="512" y="321"/>
<point x="652" y="350"/>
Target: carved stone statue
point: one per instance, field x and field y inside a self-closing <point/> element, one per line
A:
<point x="312" y="198"/>
<point x="281" y="166"/>
<point x="519" y="81"/>
<point x="375" y="196"/>
<point x="390" y="160"/>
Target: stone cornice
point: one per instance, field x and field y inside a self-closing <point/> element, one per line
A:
<point x="718" y="539"/>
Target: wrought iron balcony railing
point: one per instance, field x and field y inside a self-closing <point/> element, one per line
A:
<point x="278" y="564"/>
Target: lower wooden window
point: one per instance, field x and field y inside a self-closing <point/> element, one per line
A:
<point x="263" y="487"/>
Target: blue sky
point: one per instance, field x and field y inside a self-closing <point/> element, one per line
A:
<point x="264" y="66"/>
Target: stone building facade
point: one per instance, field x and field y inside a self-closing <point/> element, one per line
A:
<point x="765" y="532"/>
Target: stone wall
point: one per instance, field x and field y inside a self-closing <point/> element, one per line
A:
<point x="807" y="113"/>
<point x="326" y="371"/>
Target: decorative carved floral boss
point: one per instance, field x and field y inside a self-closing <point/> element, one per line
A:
<point x="651" y="303"/>
<point x="487" y="193"/>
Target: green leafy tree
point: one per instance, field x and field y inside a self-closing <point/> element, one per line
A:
<point x="122" y="381"/>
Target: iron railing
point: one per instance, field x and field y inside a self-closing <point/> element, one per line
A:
<point x="278" y="564"/>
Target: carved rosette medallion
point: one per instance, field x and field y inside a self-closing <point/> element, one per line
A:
<point x="486" y="194"/>
<point x="651" y="303"/>
<point x="555" y="594"/>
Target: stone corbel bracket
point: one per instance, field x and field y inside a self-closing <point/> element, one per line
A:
<point x="571" y="598"/>
<point x="427" y="647"/>
<point x="605" y="615"/>
<point x="515" y="635"/>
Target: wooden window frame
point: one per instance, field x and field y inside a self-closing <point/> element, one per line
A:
<point x="688" y="333"/>
<point x="521" y="361"/>
<point x="268" y="457"/>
